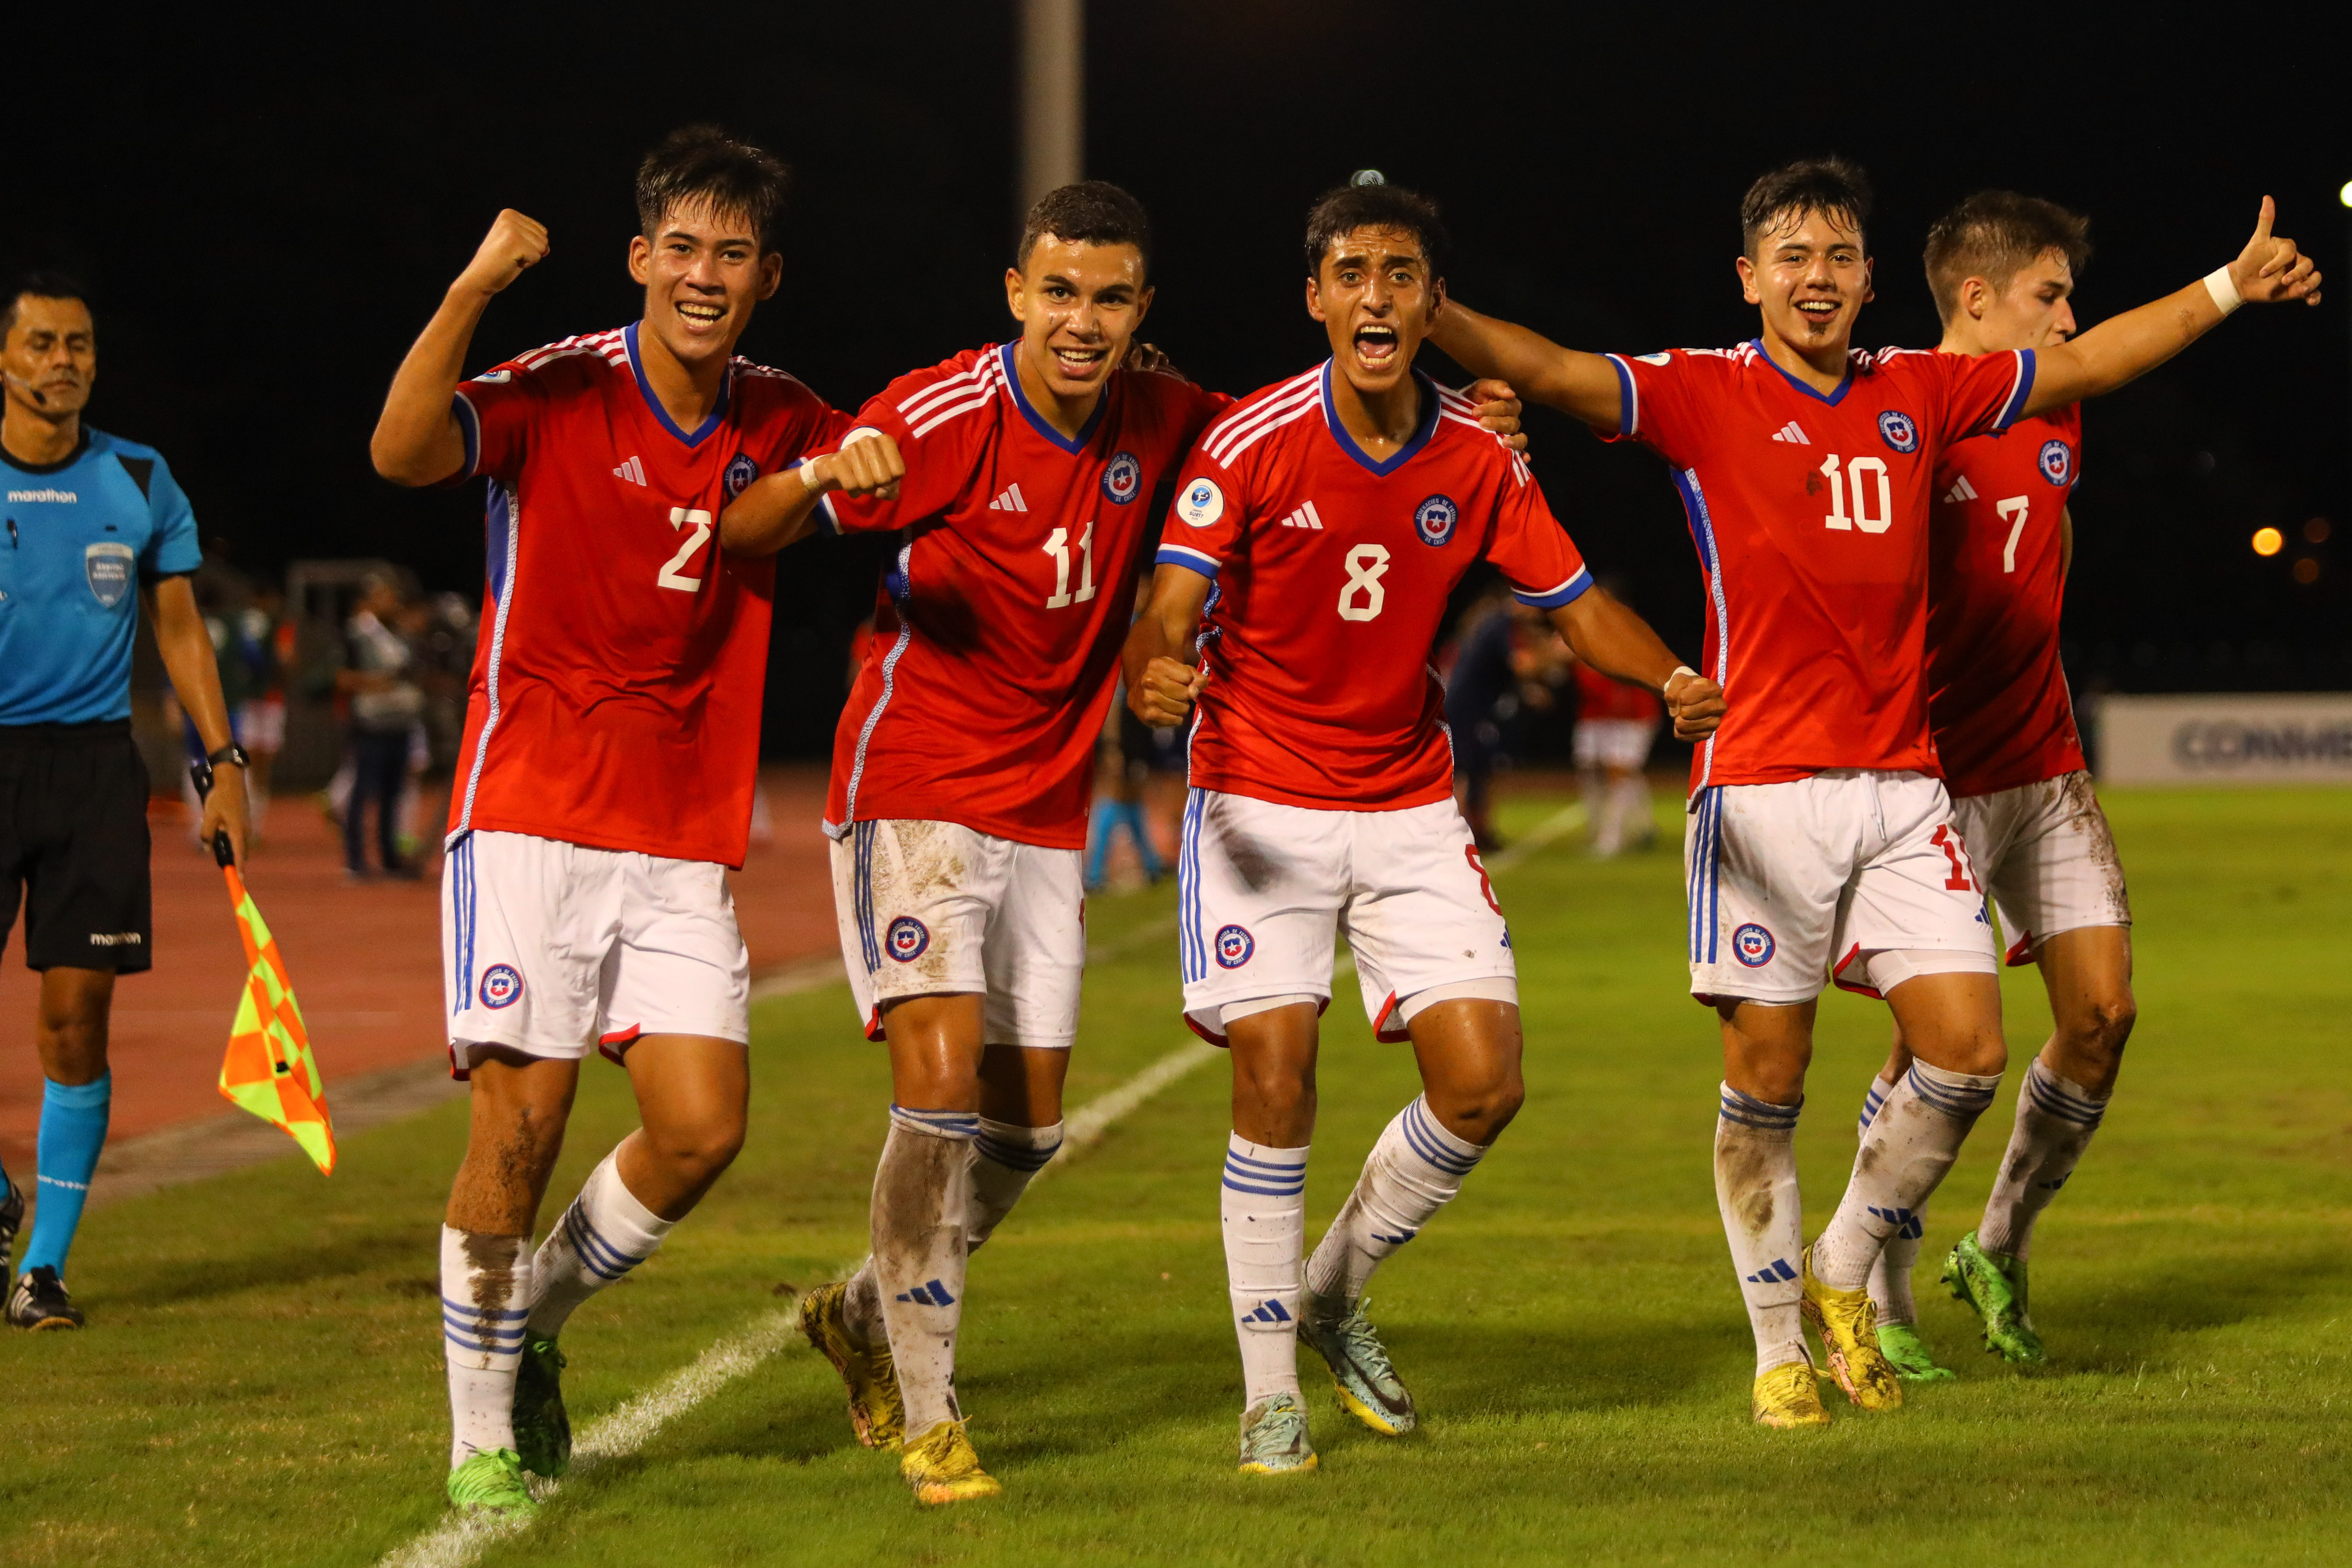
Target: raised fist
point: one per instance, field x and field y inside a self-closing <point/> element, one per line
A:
<point x="514" y="242"/>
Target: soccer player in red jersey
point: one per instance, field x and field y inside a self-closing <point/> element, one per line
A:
<point x="604" y="785"/>
<point x="963" y="770"/>
<point x="1319" y="529"/>
<point x="1819" y="837"/>
<point x="1616" y="724"/>
<point x="2000" y="538"/>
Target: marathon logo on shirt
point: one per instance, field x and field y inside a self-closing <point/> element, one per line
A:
<point x="115" y="939"/>
<point x="106" y="565"/>
<point x="1435" y="519"/>
<point x="1900" y="432"/>
<point x="66" y="496"/>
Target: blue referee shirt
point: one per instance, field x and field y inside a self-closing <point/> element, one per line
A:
<point x="82" y="536"/>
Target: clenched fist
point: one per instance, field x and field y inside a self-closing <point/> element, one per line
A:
<point x="869" y="464"/>
<point x="514" y="242"/>
<point x="1696" y="705"/>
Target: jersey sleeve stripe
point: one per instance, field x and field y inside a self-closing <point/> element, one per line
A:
<point x="1553" y="598"/>
<point x="2020" y="390"/>
<point x="469" y="425"/>
<point x="1311" y="404"/>
<point x="976" y="396"/>
<point x="1229" y="439"/>
<point x="1628" y="400"/>
<point x="915" y="407"/>
<point x="1247" y="413"/>
<point x="1191" y="560"/>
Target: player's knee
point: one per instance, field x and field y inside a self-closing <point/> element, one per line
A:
<point x="701" y="1154"/>
<point x="1480" y="1115"/>
<point x="2092" y="1039"/>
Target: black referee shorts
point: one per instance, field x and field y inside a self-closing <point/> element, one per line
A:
<point x="73" y="845"/>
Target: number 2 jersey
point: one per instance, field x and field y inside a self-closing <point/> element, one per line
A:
<point x="1809" y="512"/>
<point x="1332" y="572"/>
<point x="1000" y="620"/>
<point x="1996" y="690"/>
<point x="617" y="689"/>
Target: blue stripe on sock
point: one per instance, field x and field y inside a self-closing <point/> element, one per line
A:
<point x="471" y="1310"/>
<point x="1420" y="1132"/>
<point x="1952" y="1102"/>
<point x="1749" y="1111"/>
<point x="1264" y="1191"/>
<point x="1017" y="1156"/>
<point x="598" y="1255"/>
<point x="2060" y="1105"/>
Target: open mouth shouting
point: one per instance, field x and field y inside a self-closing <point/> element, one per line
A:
<point x="1376" y="346"/>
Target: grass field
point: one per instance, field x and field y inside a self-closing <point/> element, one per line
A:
<point x="262" y="1384"/>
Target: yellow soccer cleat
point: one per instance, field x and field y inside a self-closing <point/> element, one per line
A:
<point x="874" y="1412"/>
<point x="1848" y="1325"/>
<point x="1788" y="1396"/>
<point x="941" y="1468"/>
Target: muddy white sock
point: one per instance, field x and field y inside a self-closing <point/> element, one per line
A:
<point x="1264" y="1206"/>
<point x="922" y="1191"/>
<point x="1756" y="1192"/>
<point x="606" y="1233"/>
<point x="1906" y="1152"/>
<point x="485" y="1282"/>
<point x="2055" y="1120"/>
<point x="1414" y="1169"/>
<point x="1890" y="1277"/>
<point x="1009" y="1156"/>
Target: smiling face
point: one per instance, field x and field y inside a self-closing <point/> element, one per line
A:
<point x="1375" y="298"/>
<point x="1812" y="278"/>
<point x="2035" y="311"/>
<point x="703" y="273"/>
<point x="1078" y="305"/>
<point x="52" y="349"/>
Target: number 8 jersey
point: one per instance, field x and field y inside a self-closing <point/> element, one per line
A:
<point x="1332" y="573"/>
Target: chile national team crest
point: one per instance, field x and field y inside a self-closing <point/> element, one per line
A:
<point x="739" y="473"/>
<point x="1753" y="945"/>
<point x="1435" y="519"/>
<point x="2056" y="462"/>
<point x="1123" y="478"/>
<point x="501" y="986"/>
<point x="1235" y="946"/>
<point x="1900" y="432"/>
<point x="907" y="938"/>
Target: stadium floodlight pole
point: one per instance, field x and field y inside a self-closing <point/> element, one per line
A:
<point x="1053" y="97"/>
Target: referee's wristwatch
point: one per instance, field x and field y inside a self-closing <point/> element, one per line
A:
<point x="233" y="754"/>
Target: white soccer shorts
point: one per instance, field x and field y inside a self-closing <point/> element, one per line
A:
<point x="1621" y="743"/>
<point x="1264" y="890"/>
<point x="936" y="908"/>
<point x="548" y="948"/>
<point x="2047" y="855"/>
<point x="1855" y="874"/>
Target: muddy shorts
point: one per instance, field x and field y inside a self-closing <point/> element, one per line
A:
<point x="2047" y="857"/>
<point x="932" y="909"/>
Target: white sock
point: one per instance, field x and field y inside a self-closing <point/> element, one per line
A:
<point x="2055" y="1120"/>
<point x="1906" y="1152"/>
<point x="922" y="1190"/>
<point x="485" y="1282"/>
<point x="1890" y="1277"/>
<point x="1756" y="1191"/>
<point x="1630" y="799"/>
<point x="606" y="1233"/>
<point x="1264" y="1206"/>
<point x="1414" y="1169"/>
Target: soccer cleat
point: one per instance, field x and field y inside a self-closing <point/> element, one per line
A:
<point x="491" y="1482"/>
<point x="1351" y="1348"/>
<point x="941" y="1468"/>
<point x="12" y="1219"/>
<point x="1848" y="1325"/>
<point x="40" y="1302"/>
<point x="1993" y="1284"/>
<point x="542" y="1432"/>
<point x="1273" y="1437"/>
<point x="1908" y="1355"/>
<point x="1788" y="1396"/>
<point x="866" y="1371"/>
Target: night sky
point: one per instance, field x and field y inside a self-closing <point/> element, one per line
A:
<point x="268" y="213"/>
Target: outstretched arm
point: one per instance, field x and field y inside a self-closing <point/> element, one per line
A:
<point x="781" y="508"/>
<point x="1161" y="682"/>
<point x="1581" y="384"/>
<point x="1620" y="644"/>
<point x="418" y="441"/>
<point x="2269" y="271"/>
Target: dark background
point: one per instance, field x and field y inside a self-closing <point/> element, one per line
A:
<point x="269" y="208"/>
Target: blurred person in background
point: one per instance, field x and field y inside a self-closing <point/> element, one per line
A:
<point x="386" y="707"/>
<point x="1615" y="726"/>
<point x="1123" y="763"/>
<point x="1507" y="662"/>
<point x="262" y="714"/>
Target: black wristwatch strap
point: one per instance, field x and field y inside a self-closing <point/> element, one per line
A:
<point x="232" y="752"/>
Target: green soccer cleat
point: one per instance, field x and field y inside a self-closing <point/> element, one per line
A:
<point x="542" y="1432"/>
<point x="1273" y="1437"/>
<point x="491" y="1482"/>
<point x="1908" y="1355"/>
<point x="1993" y="1284"/>
<point x="1349" y="1345"/>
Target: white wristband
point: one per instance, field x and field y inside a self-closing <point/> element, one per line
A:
<point x="2226" y="297"/>
<point x="1678" y="670"/>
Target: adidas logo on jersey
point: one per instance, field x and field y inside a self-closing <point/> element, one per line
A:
<point x="1010" y="500"/>
<point x="931" y="1295"/>
<point x="1305" y="517"/>
<point x="634" y="471"/>
<point x="1269" y="1311"/>
<point x="1776" y="1272"/>
<point x="1963" y="491"/>
<point x="1789" y="433"/>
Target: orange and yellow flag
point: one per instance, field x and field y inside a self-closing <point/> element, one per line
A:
<point x="268" y="1069"/>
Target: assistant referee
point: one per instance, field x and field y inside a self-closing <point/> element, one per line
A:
<point x="90" y="518"/>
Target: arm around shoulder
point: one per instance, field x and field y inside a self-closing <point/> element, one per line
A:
<point x="1584" y="386"/>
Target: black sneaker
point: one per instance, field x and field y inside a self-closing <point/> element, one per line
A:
<point x="39" y="1301"/>
<point x="12" y="1219"/>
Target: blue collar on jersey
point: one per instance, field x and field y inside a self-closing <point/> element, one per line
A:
<point x="1429" y="405"/>
<point x="1038" y="421"/>
<point x="637" y="369"/>
<point x="1833" y="399"/>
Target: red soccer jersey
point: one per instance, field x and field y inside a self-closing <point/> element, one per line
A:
<point x="616" y="696"/>
<point x="1598" y="696"/>
<point x="1332" y="573"/>
<point x="1811" y="516"/>
<point x="999" y="625"/>
<point x="1996" y="692"/>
